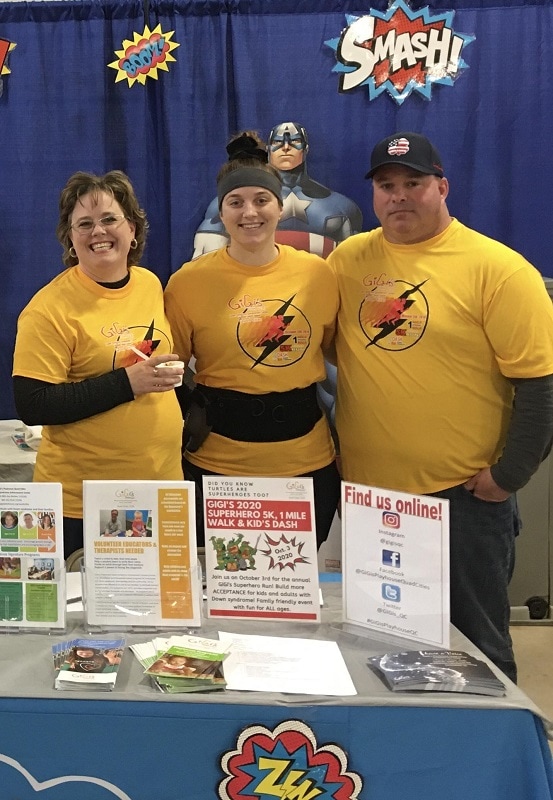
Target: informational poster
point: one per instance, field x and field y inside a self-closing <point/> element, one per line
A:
<point x="140" y="554"/>
<point x="396" y="563"/>
<point x="261" y="548"/>
<point x="32" y="565"/>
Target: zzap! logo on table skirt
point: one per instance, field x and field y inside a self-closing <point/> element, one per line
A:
<point x="286" y="763"/>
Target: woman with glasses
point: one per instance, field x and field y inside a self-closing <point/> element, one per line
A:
<point x="87" y="350"/>
<point x="256" y="316"/>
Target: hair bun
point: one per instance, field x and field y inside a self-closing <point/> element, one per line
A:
<point x="246" y="147"/>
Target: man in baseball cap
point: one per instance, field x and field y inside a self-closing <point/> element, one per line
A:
<point x="409" y="149"/>
<point x="409" y="188"/>
<point x="445" y="380"/>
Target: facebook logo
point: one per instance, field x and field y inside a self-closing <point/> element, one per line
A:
<point x="391" y="592"/>
<point x="391" y="558"/>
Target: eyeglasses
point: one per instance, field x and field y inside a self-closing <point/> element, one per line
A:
<point x="87" y="225"/>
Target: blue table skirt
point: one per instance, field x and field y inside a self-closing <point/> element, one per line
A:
<point x="172" y="751"/>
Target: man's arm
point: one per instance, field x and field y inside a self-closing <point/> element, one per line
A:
<point x="528" y="441"/>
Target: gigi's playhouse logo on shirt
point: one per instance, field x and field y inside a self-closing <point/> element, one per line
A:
<point x="399" y="51"/>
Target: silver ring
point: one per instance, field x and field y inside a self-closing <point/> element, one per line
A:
<point x="155" y="372"/>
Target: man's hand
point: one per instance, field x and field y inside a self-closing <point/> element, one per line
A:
<point x="483" y="486"/>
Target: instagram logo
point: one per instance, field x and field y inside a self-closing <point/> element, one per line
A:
<point x="390" y="519"/>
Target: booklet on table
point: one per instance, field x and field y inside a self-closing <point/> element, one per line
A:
<point x="90" y="664"/>
<point x="436" y="671"/>
<point x="183" y="663"/>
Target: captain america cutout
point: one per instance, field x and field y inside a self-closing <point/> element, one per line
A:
<point x="314" y="218"/>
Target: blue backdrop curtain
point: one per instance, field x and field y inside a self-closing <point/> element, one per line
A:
<point x="252" y="64"/>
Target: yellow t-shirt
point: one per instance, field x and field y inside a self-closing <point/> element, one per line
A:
<point x="74" y="329"/>
<point x="428" y="335"/>
<point x="256" y="330"/>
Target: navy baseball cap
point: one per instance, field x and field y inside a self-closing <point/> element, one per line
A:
<point x="408" y="149"/>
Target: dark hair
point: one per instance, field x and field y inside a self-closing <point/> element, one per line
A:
<point x="114" y="183"/>
<point x="245" y="150"/>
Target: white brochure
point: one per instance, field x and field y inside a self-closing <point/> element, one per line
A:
<point x="280" y="664"/>
<point x="261" y="548"/>
<point x="396" y="563"/>
<point x="140" y="554"/>
<point x="32" y="566"/>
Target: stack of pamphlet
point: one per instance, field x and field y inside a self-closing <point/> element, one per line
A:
<point x="436" y="671"/>
<point x="87" y="663"/>
<point x="183" y="663"/>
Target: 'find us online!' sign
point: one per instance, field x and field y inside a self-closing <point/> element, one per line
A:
<point x="399" y="51"/>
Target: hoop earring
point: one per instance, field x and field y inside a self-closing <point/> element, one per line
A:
<point x="72" y="252"/>
<point x="134" y="244"/>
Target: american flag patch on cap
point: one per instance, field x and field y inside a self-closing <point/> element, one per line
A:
<point x="398" y="147"/>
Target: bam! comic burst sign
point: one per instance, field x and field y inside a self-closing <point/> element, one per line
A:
<point x="144" y="56"/>
<point x="5" y="48"/>
<point x="399" y="51"/>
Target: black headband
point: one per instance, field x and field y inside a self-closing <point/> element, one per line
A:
<point x="249" y="176"/>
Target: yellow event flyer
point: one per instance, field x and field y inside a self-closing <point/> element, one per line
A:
<point x="140" y="554"/>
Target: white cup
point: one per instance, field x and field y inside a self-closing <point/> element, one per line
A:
<point x="173" y="365"/>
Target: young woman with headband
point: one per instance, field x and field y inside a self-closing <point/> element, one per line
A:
<point x="256" y="317"/>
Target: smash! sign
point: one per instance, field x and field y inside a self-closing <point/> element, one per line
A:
<point x="399" y="51"/>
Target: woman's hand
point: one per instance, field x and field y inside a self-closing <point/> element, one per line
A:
<point x="145" y="377"/>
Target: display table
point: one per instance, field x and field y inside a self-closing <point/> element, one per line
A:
<point x="15" y="464"/>
<point x="151" y="746"/>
